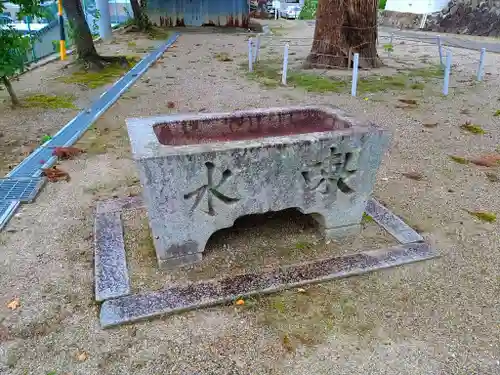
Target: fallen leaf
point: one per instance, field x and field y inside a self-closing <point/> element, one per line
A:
<point x="301" y="290"/>
<point x="55" y="174"/>
<point x="14" y="304"/>
<point x="484" y="216"/>
<point x="82" y="356"/>
<point x="472" y="128"/>
<point x="408" y="101"/>
<point x="287" y="343"/>
<point x="67" y="152"/>
<point x="491" y="160"/>
<point x="430" y="125"/>
<point x="240" y="302"/>
<point x="492" y="177"/>
<point x="170" y="104"/>
<point x="459" y="159"/>
<point x="413" y="176"/>
<point x="497" y="113"/>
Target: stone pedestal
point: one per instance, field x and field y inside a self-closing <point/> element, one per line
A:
<point x="201" y="172"/>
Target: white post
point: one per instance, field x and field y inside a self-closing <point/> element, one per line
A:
<point x="257" y="48"/>
<point x="285" y="65"/>
<point x="104" y="21"/>
<point x="447" y="72"/>
<point x="440" y="49"/>
<point x="480" y="70"/>
<point x="355" y="64"/>
<point x="391" y="46"/>
<point x="250" y="60"/>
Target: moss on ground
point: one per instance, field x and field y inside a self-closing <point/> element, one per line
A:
<point x="268" y="73"/>
<point x="158" y="33"/>
<point x="49" y="101"/>
<point x="306" y="317"/>
<point x="223" y="57"/>
<point x="108" y="75"/>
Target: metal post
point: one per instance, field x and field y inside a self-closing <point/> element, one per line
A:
<point x="104" y="21"/>
<point x="285" y="65"/>
<point x="355" y="65"/>
<point x="62" y="36"/>
<point x="116" y="13"/>
<point x="447" y="72"/>
<point x="440" y="49"/>
<point x="257" y="48"/>
<point x="250" y="60"/>
<point x="480" y="70"/>
<point x="391" y="45"/>
<point x="28" y="25"/>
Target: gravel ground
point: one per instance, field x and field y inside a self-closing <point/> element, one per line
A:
<point x="436" y="317"/>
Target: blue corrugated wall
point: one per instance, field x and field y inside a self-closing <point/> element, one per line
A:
<point x="231" y="13"/>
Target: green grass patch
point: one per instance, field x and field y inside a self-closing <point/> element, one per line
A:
<point x="107" y="75"/>
<point x="158" y="33"/>
<point x="489" y="217"/>
<point x="472" y="128"/>
<point x="223" y="57"/>
<point x="268" y="73"/>
<point x="459" y="159"/>
<point x="49" y="101"/>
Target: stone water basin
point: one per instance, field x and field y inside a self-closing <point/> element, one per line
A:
<point x="200" y="172"/>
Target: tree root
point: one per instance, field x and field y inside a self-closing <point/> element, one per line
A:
<point x="98" y="62"/>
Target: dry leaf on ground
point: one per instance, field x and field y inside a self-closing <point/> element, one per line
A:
<point x="489" y="217"/>
<point x="14" y="304"/>
<point x="414" y="176"/>
<point x="408" y="101"/>
<point x="491" y="160"/>
<point x="82" y="356"/>
<point x="430" y="125"/>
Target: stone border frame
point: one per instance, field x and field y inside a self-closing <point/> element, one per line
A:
<point x="112" y="284"/>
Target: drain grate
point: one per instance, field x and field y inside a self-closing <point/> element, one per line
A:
<point x="7" y="209"/>
<point x="22" y="189"/>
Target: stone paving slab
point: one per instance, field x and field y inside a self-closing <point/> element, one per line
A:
<point x="111" y="273"/>
<point x="391" y="223"/>
<point x="119" y="204"/>
<point x="180" y="298"/>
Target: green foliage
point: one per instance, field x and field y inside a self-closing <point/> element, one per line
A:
<point x="388" y="47"/>
<point x="381" y="4"/>
<point x="308" y="11"/>
<point x="56" y="45"/>
<point x="95" y="23"/>
<point x="13" y="50"/>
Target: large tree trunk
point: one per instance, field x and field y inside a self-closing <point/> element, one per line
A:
<point x="141" y="19"/>
<point x="343" y="27"/>
<point x="83" y="38"/>
<point x="84" y="42"/>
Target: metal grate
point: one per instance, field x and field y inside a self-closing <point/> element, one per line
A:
<point x="20" y="189"/>
<point x="7" y="209"/>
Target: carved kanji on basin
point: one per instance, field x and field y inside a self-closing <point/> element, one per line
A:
<point x="201" y="172"/>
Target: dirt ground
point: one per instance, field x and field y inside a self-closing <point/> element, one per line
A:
<point x="436" y="317"/>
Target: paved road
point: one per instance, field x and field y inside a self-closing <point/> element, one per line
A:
<point x="459" y="41"/>
<point x="452" y="40"/>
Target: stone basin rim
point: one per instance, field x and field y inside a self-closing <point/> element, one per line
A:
<point x="145" y="144"/>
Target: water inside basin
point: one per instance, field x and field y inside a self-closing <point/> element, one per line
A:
<point x="245" y="126"/>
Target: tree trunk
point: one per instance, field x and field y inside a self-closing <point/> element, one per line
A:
<point x="81" y="32"/>
<point x="343" y="27"/>
<point x="10" y="90"/>
<point x="84" y="42"/>
<point x="141" y="19"/>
